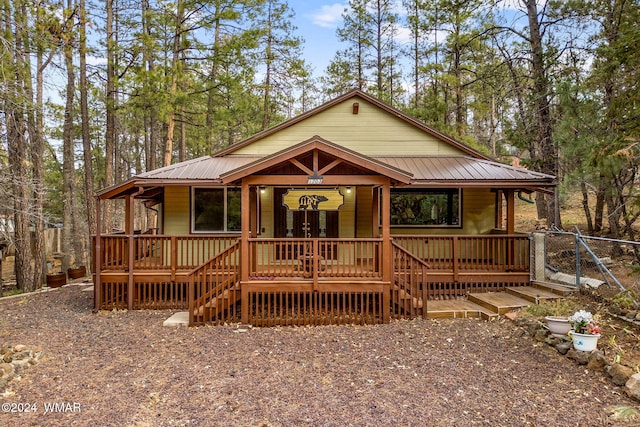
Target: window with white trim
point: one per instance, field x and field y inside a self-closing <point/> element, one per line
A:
<point x="216" y="209"/>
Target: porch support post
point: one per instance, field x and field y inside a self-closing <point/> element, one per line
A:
<point x="97" y="259"/>
<point x="131" y="246"/>
<point x="499" y="213"/>
<point x="375" y="213"/>
<point x="244" y="249"/>
<point x="510" y="225"/>
<point x="511" y="216"/>
<point x="387" y="258"/>
<point x="128" y="215"/>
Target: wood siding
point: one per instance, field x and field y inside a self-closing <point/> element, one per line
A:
<point x="364" y="216"/>
<point x="478" y="213"/>
<point x="177" y="211"/>
<point x="347" y="214"/>
<point x="266" y="214"/>
<point x="373" y="132"/>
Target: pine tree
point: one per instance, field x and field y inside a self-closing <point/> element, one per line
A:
<point x="279" y="56"/>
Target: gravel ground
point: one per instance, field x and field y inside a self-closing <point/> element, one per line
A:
<point x="125" y="369"/>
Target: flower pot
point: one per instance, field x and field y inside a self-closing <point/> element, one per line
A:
<point x="77" y="272"/>
<point x="55" y="280"/>
<point x="584" y="342"/>
<point x="558" y="326"/>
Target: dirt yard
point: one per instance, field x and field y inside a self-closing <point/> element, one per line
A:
<point x="126" y="369"/>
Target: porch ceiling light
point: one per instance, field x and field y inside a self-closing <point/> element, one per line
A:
<point x="348" y="189"/>
<point x="315" y="178"/>
<point x="262" y="189"/>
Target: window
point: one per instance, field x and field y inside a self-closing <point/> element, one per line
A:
<point x="425" y="208"/>
<point x="216" y="209"/>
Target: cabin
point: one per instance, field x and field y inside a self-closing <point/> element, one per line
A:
<point x="352" y="212"/>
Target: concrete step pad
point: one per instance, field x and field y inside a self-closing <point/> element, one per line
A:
<point x="180" y="318"/>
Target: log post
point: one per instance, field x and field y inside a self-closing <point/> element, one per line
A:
<point x="387" y="258"/>
<point x="97" y="259"/>
<point x="244" y="249"/>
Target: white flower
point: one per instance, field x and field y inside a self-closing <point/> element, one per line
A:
<point x="581" y="316"/>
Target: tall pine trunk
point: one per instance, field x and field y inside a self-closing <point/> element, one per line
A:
<point x="175" y="72"/>
<point x="35" y="125"/>
<point x="15" y="112"/>
<point x="543" y="153"/>
<point x="17" y="146"/>
<point x="90" y="204"/>
<point x="71" y="242"/>
<point x="111" y="110"/>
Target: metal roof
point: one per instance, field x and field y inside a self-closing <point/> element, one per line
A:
<point x="425" y="171"/>
<point x="460" y="169"/>
<point x="207" y="167"/>
<point x="457" y="169"/>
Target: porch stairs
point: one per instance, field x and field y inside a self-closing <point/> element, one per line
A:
<point x="218" y="285"/>
<point x="490" y="305"/>
<point x="217" y="301"/>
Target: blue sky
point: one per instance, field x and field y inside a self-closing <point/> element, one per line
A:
<point x="317" y="21"/>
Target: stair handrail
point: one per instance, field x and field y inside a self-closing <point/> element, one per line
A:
<point x="219" y="287"/>
<point x="402" y="283"/>
<point x="406" y="252"/>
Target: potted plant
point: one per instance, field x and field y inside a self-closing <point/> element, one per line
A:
<point x="57" y="279"/>
<point x="584" y="331"/>
<point x="558" y="326"/>
<point x="77" y="272"/>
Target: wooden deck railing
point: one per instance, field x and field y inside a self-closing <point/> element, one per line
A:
<point x="202" y="272"/>
<point x="336" y="257"/>
<point x="161" y="252"/>
<point x="330" y="258"/>
<point x="470" y="253"/>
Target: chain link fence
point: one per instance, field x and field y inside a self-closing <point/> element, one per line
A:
<point x="577" y="261"/>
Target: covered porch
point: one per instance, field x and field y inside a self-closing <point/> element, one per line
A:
<point x="160" y="272"/>
<point x="312" y="241"/>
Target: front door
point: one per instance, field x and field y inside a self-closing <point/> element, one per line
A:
<point x="300" y="224"/>
<point x="304" y="223"/>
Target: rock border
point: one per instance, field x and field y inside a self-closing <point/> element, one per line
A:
<point x="14" y="360"/>
<point x="620" y="374"/>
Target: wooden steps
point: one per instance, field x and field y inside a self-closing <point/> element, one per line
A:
<point x="562" y="290"/>
<point x="499" y="302"/>
<point x="455" y="309"/>
<point x="493" y="304"/>
<point x="218" y="303"/>
<point x="532" y="294"/>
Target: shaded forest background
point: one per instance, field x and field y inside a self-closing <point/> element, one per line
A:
<point x="95" y="92"/>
